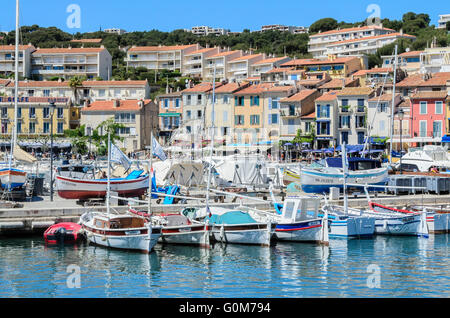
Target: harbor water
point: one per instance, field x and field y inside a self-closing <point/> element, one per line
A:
<point x="378" y="267"/>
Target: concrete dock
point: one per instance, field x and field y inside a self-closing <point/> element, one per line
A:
<point x="33" y="218"/>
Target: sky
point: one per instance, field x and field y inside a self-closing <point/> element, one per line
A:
<point x="236" y="15"/>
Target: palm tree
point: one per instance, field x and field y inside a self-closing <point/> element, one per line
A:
<point x="75" y="83"/>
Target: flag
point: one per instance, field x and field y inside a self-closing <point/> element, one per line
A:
<point x="157" y="150"/>
<point x="118" y="156"/>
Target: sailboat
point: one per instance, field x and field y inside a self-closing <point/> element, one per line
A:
<point x="126" y="231"/>
<point x="11" y="178"/>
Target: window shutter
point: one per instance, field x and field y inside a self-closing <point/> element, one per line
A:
<point x="270" y="102"/>
<point x="270" y="119"/>
<point x="319" y="115"/>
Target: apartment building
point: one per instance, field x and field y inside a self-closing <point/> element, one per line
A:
<point x="443" y="20"/>
<point x="117" y="31"/>
<point x="319" y="43"/>
<point x="240" y="68"/>
<point x="408" y="61"/>
<point x="284" y="76"/>
<point x="66" y="63"/>
<point x="335" y="67"/>
<point x="219" y="61"/>
<point x="90" y="90"/>
<point x="139" y="118"/>
<point x="267" y="64"/>
<point x="435" y="60"/>
<point x="352" y="114"/>
<point x="365" y="45"/>
<point x="293" y="109"/>
<point x="379" y="114"/>
<point x="207" y="30"/>
<point x="7" y="60"/>
<point x="326" y="120"/>
<point x="160" y="57"/>
<point x="194" y="62"/>
<point x="375" y="76"/>
<point x="170" y="114"/>
<point x="428" y="117"/>
<point x="284" y="28"/>
<point x="34" y="117"/>
<point x="338" y="84"/>
<point x="195" y="103"/>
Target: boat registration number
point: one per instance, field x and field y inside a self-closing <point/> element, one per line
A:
<point x="408" y="219"/>
<point x="132" y="232"/>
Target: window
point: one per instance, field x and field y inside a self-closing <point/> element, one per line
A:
<point x="188" y="114"/>
<point x="60" y="113"/>
<point x="199" y="99"/>
<point x="361" y="138"/>
<point x="177" y="103"/>
<point x="254" y="100"/>
<point x="382" y="108"/>
<point x="437" y="129"/>
<point x="308" y="127"/>
<point x="273" y="119"/>
<point x="46" y="93"/>
<point x="101" y="93"/>
<point x="291" y="126"/>
<point x="275" y="104"/>
<point x="46" y="112"/>
<point x="46" y="128"/>
<point x="239" y="100"/>
<point x="188" y="99"/>
<point x="166" y="103"/>
<point x="19" y="112"/>
<point x="344" y="137"/>
<point x="60" y="128"/>
<point x="254" y="120"/>
<point x="31" y="93"/>
<point x="291" y="110"/>
<point x="19" y="127"/>
<point x="32" y="128"/>
<point x="345" y="102"/>
<point x="439" y="107"/>
<point x="423" y="108"/>
<point x="226" y="99"/>
<point x="423" y="128"/>
<point x="4" y="112"/>
<point x="32" y="112"/>
<point x="239" y="120"/>
<point x="199" y="114"/>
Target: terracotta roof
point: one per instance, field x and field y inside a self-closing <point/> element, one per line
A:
<point x="411" y="53"/>
<point x="373" y="38"/>
<point x="39" y="84"/>
<point x="160" y="48"/>
<point x="337" y="83"/>
<point x="309" y="116"/>
<point x="173" y="94"/>
<point x="299" y="96"/>
<point x="256" y="89"/>
<point x="125" y="105"/>
<point x="351" y="30"/>
<point x="253" y="78"/>
<point x="85" y="83"/>
<point x="246" y="57"/>
<point x="374" y="70"/>
<point x="430" y="95"/>
<point x="438" y="79"/>
<point x="230" y="88"/>
<point x="12" y="47"/>
<point x="305" y="62"/>
<point x="202" y="51"/>
<point x="327" y="97"/>
<point x="411" y="81"/>
<point x="4" y="82"/>
<point x="69" y="50"/>
<point x="270" y="60"/>
<point x="87" y="41"/>
<point x="114" y="83"/>
<point x="201" y="88"/>
<point x="383" y="98"/>
<point x="223" y="54"/>
<point x="350" y="91"/>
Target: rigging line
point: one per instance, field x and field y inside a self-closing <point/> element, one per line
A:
<point x="378" y="103"/>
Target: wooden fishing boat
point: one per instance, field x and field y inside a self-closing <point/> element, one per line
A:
<point x="134" y="185"/>
<point x="129" y="232"/>
<point x="179" y="229"/>
<point x="11" y="178"/>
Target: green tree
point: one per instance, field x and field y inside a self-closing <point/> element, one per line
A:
<point x="323" y="25"/>
<point x="100" y="135"/>
<point x="75" y="83"/>
<point x="78" y="139"/>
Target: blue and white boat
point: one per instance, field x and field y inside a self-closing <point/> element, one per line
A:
<point x="327" y="173"/>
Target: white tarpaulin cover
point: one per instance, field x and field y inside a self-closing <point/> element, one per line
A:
<point x="245" y="170"/>
<point x="188" y="173"/>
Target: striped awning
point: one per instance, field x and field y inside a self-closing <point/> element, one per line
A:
<point x="169" y="115"/>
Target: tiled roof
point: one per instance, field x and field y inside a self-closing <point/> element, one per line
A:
<point x="202" y="51"/>
<point x="438" y="79"/>
<point x="201" y="88"/>
<point x="351" y="30"/>
<point x="12" y="47"/>
<point x="230" y="88"/>
<point x="246" y="57"/>
<point x="114" y="83"/>
<point x="160" y="48"/>
<point x="374" y="70"/>
<point x="309" y="116"/>
<point x="125" y="105"/>
<point x="350" y="91"/>
<point x="223" y="54"/>
<point x="299" y="96"/>
<point x="430" y="95"/>
<point x="306" y="62"/>
<point x="327" y="97"/>
<point x="39" y="84"/>
<point x="256" y="89"/>
<point x="69" y="50"/>
<point x="4" y="82"/>
<point x="411" y="53"/>
<point x="337" y="83"/>
<point x="411" y="81"/>
<point x="383" y="98"/>
<point x="270" y="60"/>
<point x="85" y="83"/>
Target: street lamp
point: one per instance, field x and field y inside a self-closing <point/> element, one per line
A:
<point x="401" y="116"/>
<point x="52" y="111"/>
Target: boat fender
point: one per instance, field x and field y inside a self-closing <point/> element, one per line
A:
<point x="222" y="233"/>
<point x="385" y="225"/>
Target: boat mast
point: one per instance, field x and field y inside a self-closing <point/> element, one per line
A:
<point x="393" y="104"/>
<point x="345" y="173"/>
<point x="16" y="85"/>
<point x="150" y="172"/>
<point x="108" y="189"/>
<point x="212" y="139"/>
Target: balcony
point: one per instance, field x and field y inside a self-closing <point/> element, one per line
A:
<point x="290" y="114"/>
<point x="345" y="109"/>
<point x="360" y="110"/>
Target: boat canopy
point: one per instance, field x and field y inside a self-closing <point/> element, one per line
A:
<point x="355" y="163"/>
<point x="232" y="217"/>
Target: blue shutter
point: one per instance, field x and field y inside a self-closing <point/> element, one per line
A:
<point x="328" y="129"/>
<point x="270" y="102"/>
<point x="270" y="119"/>
<point x="319" y="115"/>
<point x="328" y="111"/>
